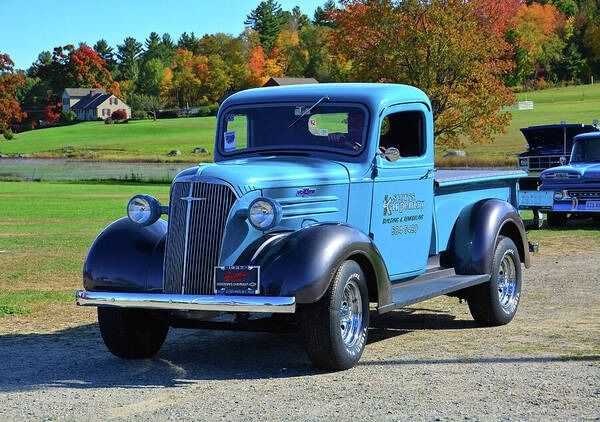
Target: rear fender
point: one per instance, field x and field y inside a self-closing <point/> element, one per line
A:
<point x="126" y="257"/>
<point x="303" y="263"/>
<point x="476" y="233"/>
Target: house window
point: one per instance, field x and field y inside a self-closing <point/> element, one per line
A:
<point x="116" y="101"/>
<point x="103" y="110"/>
<point x="110" y="101"/>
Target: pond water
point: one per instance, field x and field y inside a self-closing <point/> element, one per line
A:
<point x="63" y="169"/>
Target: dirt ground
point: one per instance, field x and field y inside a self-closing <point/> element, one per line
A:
<point x="426" y="362"/>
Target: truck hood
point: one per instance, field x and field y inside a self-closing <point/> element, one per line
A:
<point x="552" y="136"/>
<point x="584" y="170"/>
<point x="254" y="173"/>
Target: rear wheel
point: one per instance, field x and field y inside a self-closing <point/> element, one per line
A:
<point x="131" y="333"/>
<point x="557" y="219"/>
<point x="335" y="327"/>
<point x="496" y="302"/>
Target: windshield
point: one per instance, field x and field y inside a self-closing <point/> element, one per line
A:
<point x="336" y="128"/>
<point x="586" y="151"/>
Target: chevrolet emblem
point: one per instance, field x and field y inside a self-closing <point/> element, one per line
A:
<point x="189" y="199"/>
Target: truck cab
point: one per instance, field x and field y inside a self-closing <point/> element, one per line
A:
<point x="322" y="200"/>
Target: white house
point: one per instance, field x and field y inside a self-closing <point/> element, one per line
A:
<point x="96" y="105"/>
<point x="71" y="96"/>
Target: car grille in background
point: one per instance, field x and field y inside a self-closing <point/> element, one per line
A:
<point x="197" y="215"/>
<point x="584" y="194"/>
<point x="543" y="162"/>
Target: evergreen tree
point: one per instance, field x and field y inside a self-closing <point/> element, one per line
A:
<point x="320" y="17"/>
<point x="267" y="19"/>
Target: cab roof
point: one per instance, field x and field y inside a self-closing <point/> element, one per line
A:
<point x="374" y="95"/>
<point x="590" y="135"/>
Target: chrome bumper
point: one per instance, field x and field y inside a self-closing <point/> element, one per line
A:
<point x="285" y="305"/>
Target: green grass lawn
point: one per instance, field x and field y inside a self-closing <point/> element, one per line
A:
<point x="46" y="230"/>
<point x="151" y="141"/>
<point x="138" y="140"/>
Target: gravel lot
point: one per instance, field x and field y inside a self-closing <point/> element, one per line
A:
<point x="428" y="362"/>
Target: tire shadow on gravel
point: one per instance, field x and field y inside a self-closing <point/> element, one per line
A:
<point x="403" y="321"/>
<point x="78" y="358"/>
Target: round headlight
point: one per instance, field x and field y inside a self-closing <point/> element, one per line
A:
<point x="143" y="210"/>
<point x="264" y="213"/>
<point x="558" y="195"/>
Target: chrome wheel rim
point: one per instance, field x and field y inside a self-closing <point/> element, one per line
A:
<point x="507" y="282"/>
<point x="351" y="314"/>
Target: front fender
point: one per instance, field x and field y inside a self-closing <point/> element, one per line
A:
<point x="476" y="233"/>
<point x="126" y="257"/>
<point x="303" y="263"/>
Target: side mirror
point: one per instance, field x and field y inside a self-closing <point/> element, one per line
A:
<point x="391" y="154"/>
<point x="563" y="161"/>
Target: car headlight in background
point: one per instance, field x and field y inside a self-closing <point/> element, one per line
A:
<point x="143" y="210"/>
<point x="264" y="213"/>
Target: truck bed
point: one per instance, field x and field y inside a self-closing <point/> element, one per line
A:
<point x="451" y="177"/>
<point x="456" y="189"/>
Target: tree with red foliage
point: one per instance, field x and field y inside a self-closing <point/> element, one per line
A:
<point x="51" y="113"/>
<point x="10" y="109"/>
<point x="77" y="68"/>
<point x="257" y="67"/>
<point x="451" y="49"/>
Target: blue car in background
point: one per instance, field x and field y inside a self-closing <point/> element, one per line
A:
<point x="322" y="202"/>
<point x="575" y="186"/>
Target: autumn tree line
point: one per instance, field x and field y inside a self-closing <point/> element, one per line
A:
<point x="468" y="56"/>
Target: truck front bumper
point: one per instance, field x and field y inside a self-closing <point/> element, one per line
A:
<point x="286" y="305"/>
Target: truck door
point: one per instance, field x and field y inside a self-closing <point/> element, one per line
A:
<point x="402" y="208"/>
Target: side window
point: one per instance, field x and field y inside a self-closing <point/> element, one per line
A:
<point x="404" y="131"/>
<point x="236" y="132"/>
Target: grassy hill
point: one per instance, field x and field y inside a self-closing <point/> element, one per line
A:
<point x="151" y="141"/>
<point x="576" y="104"/>
<point x="141" y="140"/>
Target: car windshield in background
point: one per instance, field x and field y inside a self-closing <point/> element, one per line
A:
<point x="291" y="127"/>
<point x="586" y="151"/>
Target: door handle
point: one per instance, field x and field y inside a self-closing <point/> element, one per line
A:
<point x="426" y="175"/>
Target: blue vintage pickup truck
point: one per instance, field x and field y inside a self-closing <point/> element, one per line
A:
<point x="322" y="201"/>
<point x="575" y="187"/>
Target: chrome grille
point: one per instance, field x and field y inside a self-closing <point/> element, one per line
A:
<point x="197" y="216"/>
<point x="584" y="194"/>
<point x="543" y="162"/>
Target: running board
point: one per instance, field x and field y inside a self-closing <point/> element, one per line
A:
<point x="419" y="289"/>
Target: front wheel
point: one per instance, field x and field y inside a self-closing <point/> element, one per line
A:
<point x="131" y="333"/>
<point x="335" y="327"/>
<point x="496" y="302"/>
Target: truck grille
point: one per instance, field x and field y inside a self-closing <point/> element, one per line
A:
<point x="584" y="194"/>
<point x="197" y="215"/>
<point x="543" y="162"/>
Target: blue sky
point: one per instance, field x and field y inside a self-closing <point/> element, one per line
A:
<point x="31" y="26"/>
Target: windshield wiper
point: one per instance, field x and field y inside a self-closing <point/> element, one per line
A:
<point x="308" y="110"/>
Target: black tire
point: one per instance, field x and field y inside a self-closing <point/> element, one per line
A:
<point x="131" y="333"/>
<point x="496" y="301"/>
<point x="323" y="326"/>
<point x="557" y="219"/>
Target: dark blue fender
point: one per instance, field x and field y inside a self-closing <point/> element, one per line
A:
<point x="302" y="263"/>
<point x="126" y="257"/>
<point x="476" y="232"/>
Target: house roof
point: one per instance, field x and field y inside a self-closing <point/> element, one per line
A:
<point x="290" y="81"/>
<point x="82" y="92"/>
<point x="91" y="101"/>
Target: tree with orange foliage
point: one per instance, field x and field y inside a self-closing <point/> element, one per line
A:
<point x="257" y="68"/>
<point x="10" y="109"/>
<point x="538" y="27"/>
<point x="450" y="49"/>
